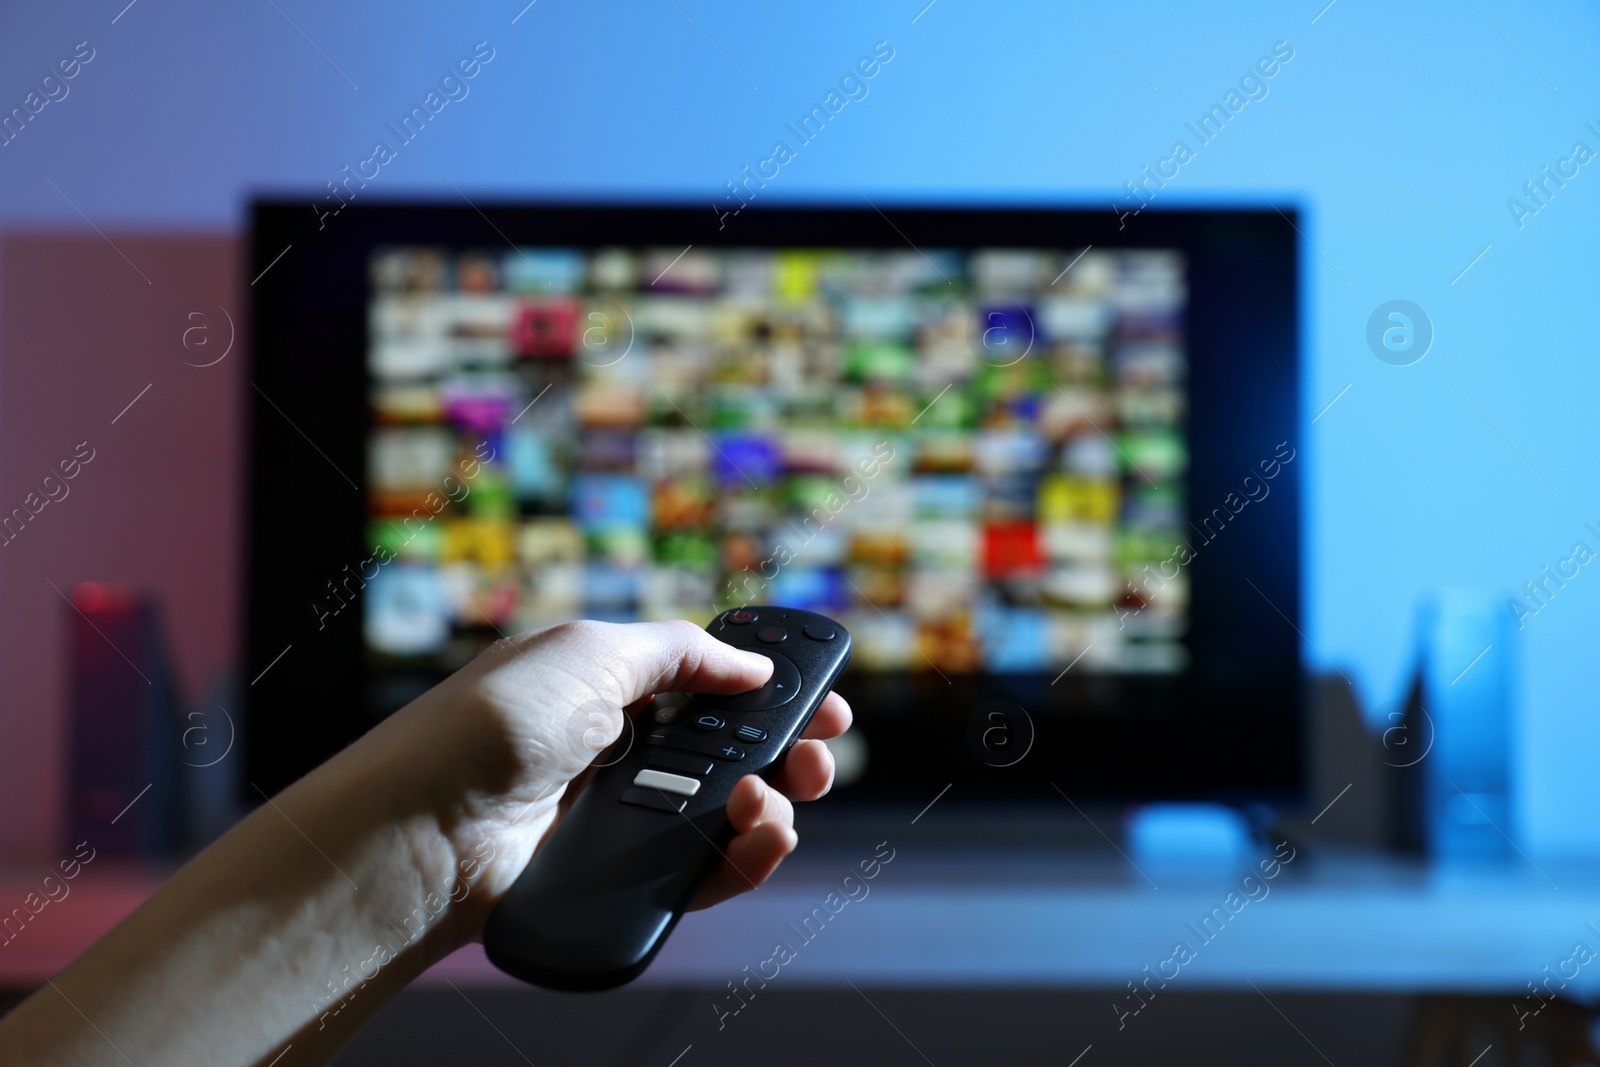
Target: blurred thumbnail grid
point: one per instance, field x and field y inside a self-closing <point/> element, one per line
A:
<point x="969" y="458"/>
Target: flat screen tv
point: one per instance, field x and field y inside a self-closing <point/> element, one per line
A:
<point x="1043" y="463"/>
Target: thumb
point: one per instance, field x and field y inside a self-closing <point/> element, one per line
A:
<point x="678" y="656"/>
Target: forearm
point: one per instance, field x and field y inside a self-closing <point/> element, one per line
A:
<point x="290" y="930"/>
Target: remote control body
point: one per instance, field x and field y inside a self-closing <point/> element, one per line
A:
<point x="600" y="896"/>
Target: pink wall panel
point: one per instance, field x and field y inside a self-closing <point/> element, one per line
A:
<point x="85" y="328"/>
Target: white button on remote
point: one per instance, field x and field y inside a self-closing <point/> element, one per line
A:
<point x="672" y="783"/>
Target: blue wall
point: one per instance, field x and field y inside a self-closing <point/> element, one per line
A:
<point x="1403" y="134"/>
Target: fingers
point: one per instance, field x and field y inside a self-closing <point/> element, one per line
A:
<point x="833" y="718"/>
<point x="751" y="859"/>
<point x="753" y="802"/>
<point x="667" y="657"/>
<point x="807" y="773"/>
<point x="762" y="814"/>
<point x="763" y="822"/>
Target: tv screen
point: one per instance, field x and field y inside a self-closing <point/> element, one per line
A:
<point x="974" y="460"/>
<point x="1041" y="463"/>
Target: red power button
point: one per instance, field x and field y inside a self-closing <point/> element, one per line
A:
<point x="740" y="617"/>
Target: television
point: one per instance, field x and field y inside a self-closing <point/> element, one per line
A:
<point x="1043" y="463"/>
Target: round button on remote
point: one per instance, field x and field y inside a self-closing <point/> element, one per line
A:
<point x="779" y="690"/>
<point x="772" y="634"/>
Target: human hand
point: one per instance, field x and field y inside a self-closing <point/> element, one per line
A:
<point x="505" y="745"/>
<point x="299" y="923"/>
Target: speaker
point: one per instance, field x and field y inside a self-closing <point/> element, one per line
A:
<point x="124" y="783"/>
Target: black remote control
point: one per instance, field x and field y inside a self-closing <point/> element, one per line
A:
<point x="602" y="893"/>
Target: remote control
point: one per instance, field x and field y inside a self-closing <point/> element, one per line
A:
<point x="602" y="893"/>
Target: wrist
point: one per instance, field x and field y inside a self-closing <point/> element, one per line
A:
<point x="470" y="821"/>
<point x="376" y="821"/>
<point x="489" y="759"/>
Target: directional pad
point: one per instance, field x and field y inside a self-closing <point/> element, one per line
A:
<point x="781" y="688"/>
